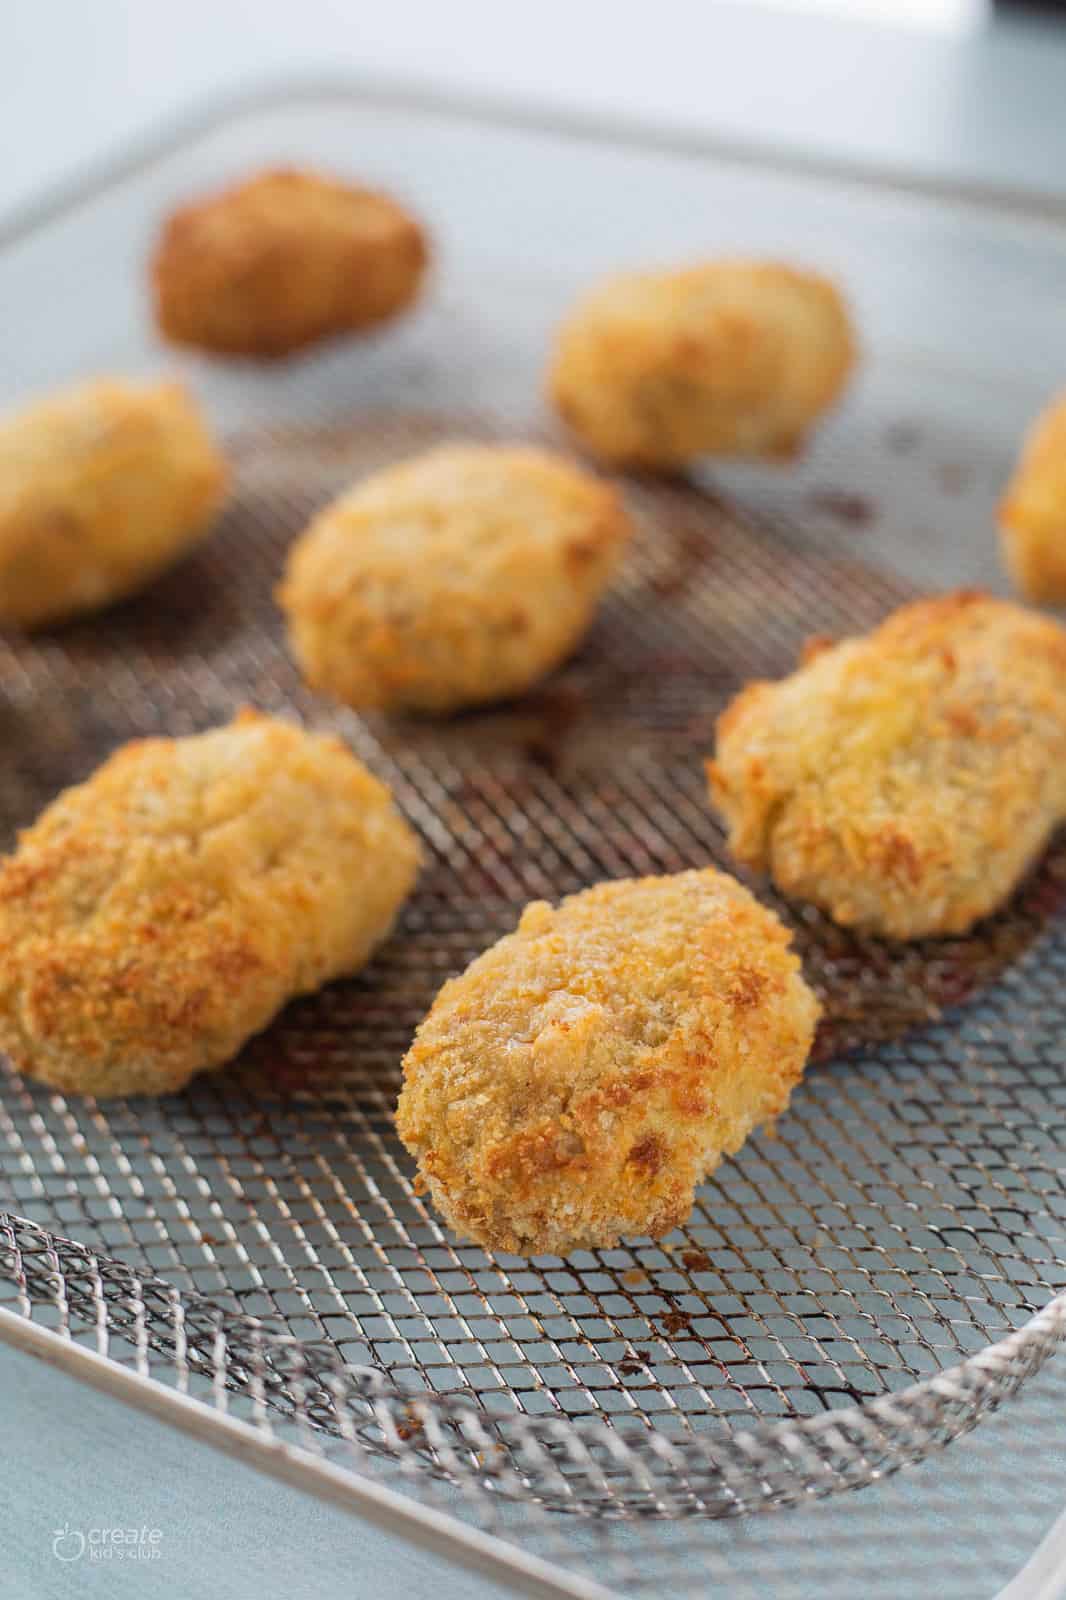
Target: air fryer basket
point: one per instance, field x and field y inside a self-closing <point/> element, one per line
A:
<point x="848" y="1294"/>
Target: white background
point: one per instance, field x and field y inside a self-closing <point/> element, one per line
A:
<point x="78" y="78"/>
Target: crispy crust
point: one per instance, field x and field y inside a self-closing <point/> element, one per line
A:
<point x="585" y="1073"/>
<point x="1032" y="514"/>
<point x="904" y="781"/>
<point x="734" y="358"/>
<point x="102" y="486"/>
<point x="283" y="260"/>
<point x="458" y="577"/>
<point x="156" y="916"/>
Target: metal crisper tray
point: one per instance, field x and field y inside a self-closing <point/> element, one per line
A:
<point x="848" y="1294"/>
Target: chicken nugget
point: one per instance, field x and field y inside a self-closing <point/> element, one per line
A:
<point x="904" y="781"/>
<point x="102" y="486"/>
<point x="1032" y="514"/>
<point x="458" y="577"/>
<point x="155" y="917"/>
<point x="284" y="260"/>
<point x="731" y="358"/>
<point x="579" y="1080"/>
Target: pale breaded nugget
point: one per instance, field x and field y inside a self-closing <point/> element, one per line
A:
<point x="579" y="1080"/>
<point x="732" y="358"/>
<point x="903" y="781"/>
<point x="283" y="260"/>
<point x="156" y="916"/>
<point x="102" y="486"/>
<point x="461" y="576"/>
<point x="1032" y="514"/>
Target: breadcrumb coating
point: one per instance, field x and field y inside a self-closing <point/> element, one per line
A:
<point x="579" y="1080"/>
<point x="904" y="781"/>
<point x="156" y="916"/>
<point x="283" y="260"/>
<point x="730" y="358"/>
<point x="102" y="486"/>
<point x="1032" y="514"/>
<point x="458" y="577"/>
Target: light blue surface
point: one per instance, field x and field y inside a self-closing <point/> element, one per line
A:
<point x="72" y="1458"/>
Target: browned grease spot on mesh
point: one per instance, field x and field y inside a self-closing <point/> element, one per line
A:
<point x="903" y="437"/>
<point x="843" y="505"/>
<point x="676" y="1322"/>
<point x="691" y="552"/>
<point x="696" y="1261"/>
<point x="953" y="478"/>
<point x="410" y="1424"/>
<point x="595" y="774"/>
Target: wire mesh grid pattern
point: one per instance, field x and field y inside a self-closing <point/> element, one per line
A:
<point x="905" y="1226"/>
<point x="295" y="1391"/>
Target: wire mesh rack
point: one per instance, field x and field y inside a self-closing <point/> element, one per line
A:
<point x="848" y="1295"/>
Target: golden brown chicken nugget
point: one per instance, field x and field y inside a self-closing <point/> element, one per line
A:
<point x="904" y="781"/>
<point x="733" y="358"/>
<point x="579" y="1080"/>
<point x="155" y="917"/>
<point x="461" y="576"/>
<point x="283" y="260"/>
<point x="1032" y="514"/>
<point x="102" y="486"/>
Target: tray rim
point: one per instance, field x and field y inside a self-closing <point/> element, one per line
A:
<point x="400" y="1514"/>
<point x="168" y="134"/>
